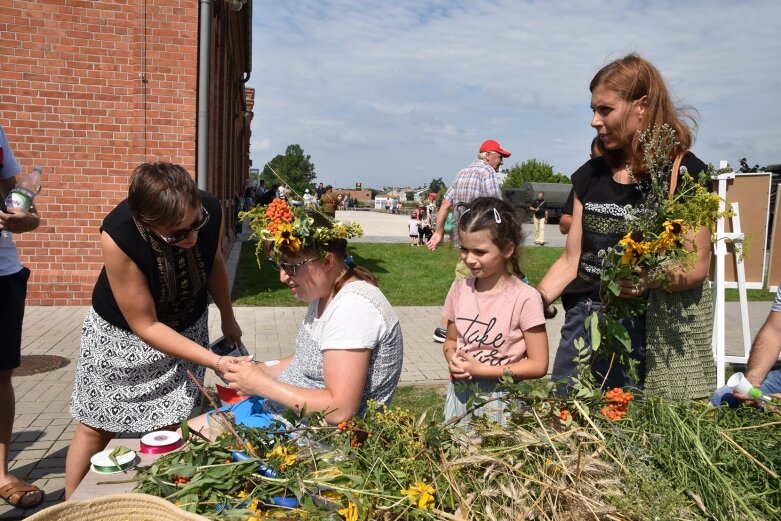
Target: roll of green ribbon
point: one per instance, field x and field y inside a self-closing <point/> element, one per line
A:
<point x="112" y="468"/>
<point x="113" y="460"/>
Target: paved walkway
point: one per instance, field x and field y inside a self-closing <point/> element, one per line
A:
<point x="43" y="428"/>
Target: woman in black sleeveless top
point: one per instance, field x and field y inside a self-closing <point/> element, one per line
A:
<point x="148" y="322"/>
<point x="628" y="97"/>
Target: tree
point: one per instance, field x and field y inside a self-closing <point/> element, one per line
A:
<point x="294" y="168"/>
<point x="436" y="185"/>
<point x="532" y="170"/>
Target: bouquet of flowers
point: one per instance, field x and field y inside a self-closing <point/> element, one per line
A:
<point x="288" y="229"/>
<point x="660" y="239"/>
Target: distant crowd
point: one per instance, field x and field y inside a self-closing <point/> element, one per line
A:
<point x="323" y="197"/>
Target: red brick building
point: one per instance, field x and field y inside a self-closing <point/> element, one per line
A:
<point x="91" y="89"/>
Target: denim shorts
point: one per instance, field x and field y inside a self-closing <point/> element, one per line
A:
<point x="565" y="366"/>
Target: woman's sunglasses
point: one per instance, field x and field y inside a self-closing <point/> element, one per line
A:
<point x="182" y="234"/>
<point x="290" y="269"/>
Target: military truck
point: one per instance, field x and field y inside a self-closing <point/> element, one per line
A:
<point x="555" y="194"/>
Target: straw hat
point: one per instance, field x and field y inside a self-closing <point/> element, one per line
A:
<point x="116" y="507"/>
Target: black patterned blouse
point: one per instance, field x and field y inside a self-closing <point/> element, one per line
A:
<point x="176" y="276"/>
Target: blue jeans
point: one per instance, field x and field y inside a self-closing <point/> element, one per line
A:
<point x="565" y="366"/>
<point x="771" y="385"/>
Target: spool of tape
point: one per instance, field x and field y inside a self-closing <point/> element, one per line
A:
<point x="160" y="442"/>
<point x="101" y="462"/>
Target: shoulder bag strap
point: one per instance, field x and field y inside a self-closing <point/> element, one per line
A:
<point x="674" y="173"/>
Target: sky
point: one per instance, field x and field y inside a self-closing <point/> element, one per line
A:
<point x="399" y="93"/>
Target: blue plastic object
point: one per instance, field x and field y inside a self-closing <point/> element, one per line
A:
<point x="264" y="470"/>
<point x="286" y="501"/>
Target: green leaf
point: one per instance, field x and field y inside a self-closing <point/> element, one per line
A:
<point x="185" y="471"/>
<point x="185" y="430"/>
<point x="219" y="471"/>
<point x="118" y="451"/>
<point x="596" y="336"/>
<point x="616" y="330"/>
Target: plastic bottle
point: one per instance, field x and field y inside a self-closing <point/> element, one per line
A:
<point x="27" y="187"/>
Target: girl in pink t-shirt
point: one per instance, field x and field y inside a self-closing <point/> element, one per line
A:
<point x="496" y="323"/>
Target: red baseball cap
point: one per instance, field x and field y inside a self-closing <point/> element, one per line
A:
<point x="493" y="146"/>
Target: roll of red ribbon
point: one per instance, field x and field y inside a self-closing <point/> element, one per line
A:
<point x="160" y="442"/>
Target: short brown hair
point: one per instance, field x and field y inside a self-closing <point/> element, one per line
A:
<point x="161" y="194"/>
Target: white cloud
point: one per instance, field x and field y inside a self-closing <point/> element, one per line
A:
<point x="259" y="145"/>
<point x="402" y="92"/>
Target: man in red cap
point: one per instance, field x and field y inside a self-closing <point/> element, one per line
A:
<point x="476" y="180"/>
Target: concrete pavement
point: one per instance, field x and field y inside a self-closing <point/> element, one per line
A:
<point x="43" y="428"/>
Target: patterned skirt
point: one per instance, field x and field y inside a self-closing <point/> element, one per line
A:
<point x="124" y="385"/>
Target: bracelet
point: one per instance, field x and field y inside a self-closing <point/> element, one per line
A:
<point x="217" y="365"/>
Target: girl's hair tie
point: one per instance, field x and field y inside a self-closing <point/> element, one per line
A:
<point x="349" y="262"/>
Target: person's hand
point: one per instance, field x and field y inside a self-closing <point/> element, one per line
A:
<point x="632" y="289"/>
<point x="459" y="364"/>
<point x="17" y="220"/>
<point x="748" y="400"/>
<point x="245" y="377"/>
<point x="231" y="331"/>
<point x="433" y="242"/>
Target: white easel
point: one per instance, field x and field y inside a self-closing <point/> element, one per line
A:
<point x="721" y="252"/>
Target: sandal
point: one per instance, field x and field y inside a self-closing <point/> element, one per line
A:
<point x="15" y="493"/>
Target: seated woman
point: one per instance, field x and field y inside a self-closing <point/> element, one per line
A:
<point x="349" y="348"/>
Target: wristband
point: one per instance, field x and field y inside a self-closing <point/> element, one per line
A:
<point x="271" y="362"/>
<point x="217" y="365"/>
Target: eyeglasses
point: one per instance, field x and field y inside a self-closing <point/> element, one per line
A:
<point x="290" y="269"/>
<point x="182" y="234"/>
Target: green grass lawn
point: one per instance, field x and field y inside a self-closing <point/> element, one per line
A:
<point x="419" y="399"/>
<point x="408" y="276"/>
<point x="753" y="295"/>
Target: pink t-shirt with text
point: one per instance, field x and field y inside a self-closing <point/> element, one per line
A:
<point x="490" y="326"/>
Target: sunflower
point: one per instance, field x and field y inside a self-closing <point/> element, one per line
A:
<point x="421" y="493"/>
<point x="634" y="247"/>
<point x="350" y="512"/>
<point x="675" y="227"/>
<point x="286" y="239"/>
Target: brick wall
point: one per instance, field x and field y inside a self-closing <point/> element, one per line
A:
<point x="89" y="90"/>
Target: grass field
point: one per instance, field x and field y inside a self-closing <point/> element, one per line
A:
<point x="419" y="399"/>
<point x="408" y="276"/>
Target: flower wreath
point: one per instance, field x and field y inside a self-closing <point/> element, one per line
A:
<point x="286" y="230"/>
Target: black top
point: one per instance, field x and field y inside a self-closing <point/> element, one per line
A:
<point x="604" y="224"/>
<point x="266" y="198"/>
<point x="541" y="207"/>
<point x="569" y="204"/>
<point x="176" y="276"/>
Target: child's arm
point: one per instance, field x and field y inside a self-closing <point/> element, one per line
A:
<point x="535" y="365"/>
<point x="449" y="350"/>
